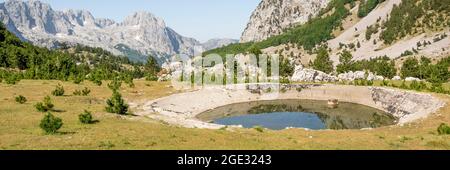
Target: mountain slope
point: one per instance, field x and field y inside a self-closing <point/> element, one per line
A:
<point x="22" y="60"/>
<point x="271" y="17"/>
<point x="366" y="28"/>
<point x="142" y="33"/>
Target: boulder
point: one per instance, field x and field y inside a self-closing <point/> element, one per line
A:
<point x="311" y="75"/>
<point x="412" y="79"/>
<point x="359" y="75"/>
<point x="351" y="76"/>
<point x="396" y="78"/>
<point x="379" y="78"/>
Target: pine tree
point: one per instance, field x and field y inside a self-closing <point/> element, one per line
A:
<point x="116" y="104"/>
<point x="50" y="124"/>
<point x="346" y="63"/>
<point x="322" y="61"/>
<point x="152" y="68"/>
<point x="410" y="68"/>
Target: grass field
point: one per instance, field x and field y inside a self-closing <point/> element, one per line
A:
<point x="19" y="126"/>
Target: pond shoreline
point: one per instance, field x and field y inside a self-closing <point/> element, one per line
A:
<point x="181" y="109"/>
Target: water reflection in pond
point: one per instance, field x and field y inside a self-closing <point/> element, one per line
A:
<point x="311" y="114"/>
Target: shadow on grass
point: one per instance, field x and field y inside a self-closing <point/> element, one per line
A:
<point x="58" y="110"/>
<point x="94" y="122"/>
<point x="65" y="133"/>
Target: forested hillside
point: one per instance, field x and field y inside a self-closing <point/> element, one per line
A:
<point x="413" y="16"/>
<point x="407" y="18"/>
<point x="22" y="60"/>
<point x="308" y="35"/>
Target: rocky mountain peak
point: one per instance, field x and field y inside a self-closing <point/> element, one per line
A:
<point x="139" y="35"/>
<point x="271" y="17"/>
<point x="143" y="18"/>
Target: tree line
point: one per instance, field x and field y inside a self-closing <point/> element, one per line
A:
<point x="22" y="60"/>
<point x="421" y="68"/>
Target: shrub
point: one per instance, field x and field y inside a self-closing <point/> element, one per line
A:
<point x="86" y="117"/>
<point x="86" y="91"/>
<point x="385" y="83"/>
<point x="443" y="129"/>
<point x="12" y="79"/>
<point x="116" y="104"/>
<point x="21" y="99"/>
<point x="96" y="81"/>
<point x="44" y="106"/>
<point x="77" y="93"/>
<point x="59" y="91"/>
<point x="78" y="80"/>
<point x="437" y="88"/>
<point x="151" y="77"/>
<point x="83" y="92"/>
<point x="50" y="124"/>
<point x="115" y="84"/>
<point x="259" y="128"/>
<point x="129" y="81"/>
<point x="404" y="86"/>
<point x="418" y="86"/>
<point x="40" y="107"/>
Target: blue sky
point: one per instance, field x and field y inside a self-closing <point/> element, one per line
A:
<point x="200" y="19"/>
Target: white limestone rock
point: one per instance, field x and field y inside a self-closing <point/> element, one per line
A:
<point x="412" y="79"/>
<point x="311" y="75"/>
<point x="271" y="17"/>
<point x="396" y="78"/>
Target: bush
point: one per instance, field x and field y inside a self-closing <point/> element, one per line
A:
<point x="21" y="99"/>
<point x="116" y="104"/>
<point x="404" y="86"/>
<point x="385" y="83"/>
<point x="77" y="93"/>
<point x="59" y="91"/>
<point x="50" y="124"/>
<point x="151" y="77"/>
<point x="85" y="91"/>
<point x="77" y="80"/>
<point x="259" y="128"/>
<point x="443" y="129"/>
<point x="98" y="82"/>
<point x="12" y="79"/>
<point x="115" y="84"/>
<point x="418" y="86"/>
<point x="437" y="88"/>
<point x="44" y="106"/>
<point x="86" y="117"/>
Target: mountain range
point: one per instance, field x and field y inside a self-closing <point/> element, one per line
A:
<point x="140" y="34"/>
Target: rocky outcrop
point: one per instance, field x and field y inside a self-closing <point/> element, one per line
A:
<point x="396" y="78"/>
<point x="271" y="17"/>
<point x="407" y="106"/>
<point x="310" y="75"/>
<point x="141" y="32"/>
<point x="412" y="79"/>
<point x="358" y="75"/>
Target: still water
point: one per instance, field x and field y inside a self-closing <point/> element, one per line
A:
<point x="311" y="114"/>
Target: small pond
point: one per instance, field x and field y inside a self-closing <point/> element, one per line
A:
<point x="311" y="114"/>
